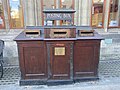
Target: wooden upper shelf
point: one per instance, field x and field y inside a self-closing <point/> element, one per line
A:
<point x="59" y="11"/>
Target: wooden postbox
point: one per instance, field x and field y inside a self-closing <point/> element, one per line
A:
<point x="60" y="55"/>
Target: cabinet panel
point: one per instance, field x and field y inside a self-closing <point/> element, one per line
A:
<point x="33" y="60"/>
<point x="60" y="61"/>
<point x="86" y="58"/>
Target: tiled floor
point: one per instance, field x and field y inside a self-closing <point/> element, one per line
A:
<point x="107" y="69"/>
<point x="11" y="76"/>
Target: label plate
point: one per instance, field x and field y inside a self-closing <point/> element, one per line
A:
<point x="59" y="51"/>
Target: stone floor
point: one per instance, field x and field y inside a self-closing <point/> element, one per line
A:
<point x="107" y="69"/>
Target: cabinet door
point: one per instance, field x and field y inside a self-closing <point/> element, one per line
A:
<point x="60" y="61"/>
<point x="32" y="60"/>
<point x="86" y="58"/>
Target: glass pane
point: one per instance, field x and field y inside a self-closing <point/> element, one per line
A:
<point x="67" y="4"/>
<point x="2" y="23"/>
<point x="97" y="13"/>
<point x="16" y="15"/>
<point x="114" y="14"/>
<point x="53" y="4"/>
<point x="48" y="4"/>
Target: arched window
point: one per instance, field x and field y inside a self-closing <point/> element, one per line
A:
<point x="16" y="14"/>
<point x="67" y="4"/>
<point x="98" y="13"/>
<point x="114" y="14"/>
<point x="48" y="4"/>
<point x="57" y="4"/>
<point x="2" y="20"/>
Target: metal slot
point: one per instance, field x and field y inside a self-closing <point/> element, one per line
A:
<point x="32" y="33"/>
<point x="86" y="33"/>
<point x="60" y="32"/>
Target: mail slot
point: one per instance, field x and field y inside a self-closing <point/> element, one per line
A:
<point x="86" y="33"/>
<point x="60" y="33"/>
<point x="32" y="33"/>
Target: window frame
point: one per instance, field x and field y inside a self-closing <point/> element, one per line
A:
<point x="42" y="8"/>
<point x="73" y="5"/>
<point x="109" y="17"/>
<point x="9" y="15"/>
<point x="42" y="5"/>
<point x="103" y="15"/>
<point x="3" y="18"/>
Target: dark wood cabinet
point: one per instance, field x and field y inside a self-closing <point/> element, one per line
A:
<point x="32" y="56"/>
<point x="58" y="54"/>
<point x="58" y="60"/>
<point x="86" y="58"/>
